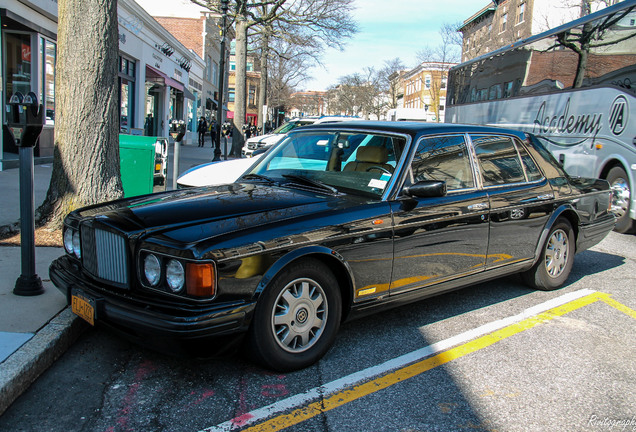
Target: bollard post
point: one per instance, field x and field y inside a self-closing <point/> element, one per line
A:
<point x="177" y="132"/>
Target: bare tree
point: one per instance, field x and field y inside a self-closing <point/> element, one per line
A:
<point x="86" y="155"/>
<point x="389" y="80"/>
<point x="592" y="35"/>
<point x="328" y="21"/>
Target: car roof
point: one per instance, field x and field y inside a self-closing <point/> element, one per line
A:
<point x="411" y="128"/>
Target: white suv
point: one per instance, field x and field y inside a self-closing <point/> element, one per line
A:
<point x="266" y="141"/>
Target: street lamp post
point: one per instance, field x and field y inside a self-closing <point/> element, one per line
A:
<point x="219" y="108"/>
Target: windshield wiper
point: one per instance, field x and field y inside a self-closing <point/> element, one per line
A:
<point x="311" y="182"/>
<point x="252" y="176"/>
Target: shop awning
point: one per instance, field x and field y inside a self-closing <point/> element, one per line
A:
<point x="156" y="76"/>
<point x="188" y="94"/>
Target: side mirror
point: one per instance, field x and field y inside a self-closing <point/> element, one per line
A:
<point x="426" y="189"/>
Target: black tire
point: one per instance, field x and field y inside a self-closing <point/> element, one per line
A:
<point x="555" y="263"/>
<point x="296" y="318"/>
<point x="619" y="182"/>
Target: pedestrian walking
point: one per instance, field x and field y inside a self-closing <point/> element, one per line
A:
<point x="214" y="128"/>
<point x="201" y="128"/>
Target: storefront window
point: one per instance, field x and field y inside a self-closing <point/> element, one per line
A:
<point x="126" y="94"/>
<point x="18" y="61"/>
<point x="47" y="96"/>
<point x="192" y="113"/>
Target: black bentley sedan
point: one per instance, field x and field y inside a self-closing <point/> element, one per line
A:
<point x="336" y="221"/>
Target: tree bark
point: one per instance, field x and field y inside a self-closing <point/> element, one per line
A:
<point x="240" y="99"/>
<point x="262" y="96"/>
<point x="86" y="155"/>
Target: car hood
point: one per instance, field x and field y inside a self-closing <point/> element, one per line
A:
<point x="216" y="173"/>
<point x="266" y="139"/>
<point x="191" y="215"/>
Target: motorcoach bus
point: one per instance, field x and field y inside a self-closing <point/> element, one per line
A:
<point x="574" y="87"/>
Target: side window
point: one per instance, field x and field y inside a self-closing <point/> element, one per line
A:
<point x="532" y="170"/>
<point x="498" y="160"/>
<point x="443" y="158"/>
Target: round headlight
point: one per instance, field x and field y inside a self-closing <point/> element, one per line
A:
<point x="152" y="269"/>
<point x="76" y="245"/>
<point x="175" y="275"/>
<point x="68" y="240"/>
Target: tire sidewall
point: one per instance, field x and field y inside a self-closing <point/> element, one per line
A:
<point x="624" y="224"/>
<point x="545" y="281"/>
<point x="262" y="341"/>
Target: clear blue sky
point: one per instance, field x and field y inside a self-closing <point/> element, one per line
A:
<point x="390" y="29"/>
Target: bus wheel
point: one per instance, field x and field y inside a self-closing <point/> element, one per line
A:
<point x="619" y="182"/>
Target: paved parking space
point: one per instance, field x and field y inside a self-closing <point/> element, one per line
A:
<point x="302" y="407"/>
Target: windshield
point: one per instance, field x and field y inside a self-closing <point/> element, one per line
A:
<point x="357" y="163"/>
<point x="284" y="128"/>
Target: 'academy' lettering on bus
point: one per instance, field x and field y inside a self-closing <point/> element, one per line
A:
<point x="566" y="123"/>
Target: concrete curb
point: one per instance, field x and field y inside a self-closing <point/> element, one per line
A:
<point x="24" y="366"/>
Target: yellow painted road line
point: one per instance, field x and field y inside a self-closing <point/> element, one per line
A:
<point x="606" y="298"/>
<point x="299" y="415"/>
<point x="304" y="406"/>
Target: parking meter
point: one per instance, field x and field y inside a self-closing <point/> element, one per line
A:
<point x="25" y="119"/>
<point x="177" y="132"/>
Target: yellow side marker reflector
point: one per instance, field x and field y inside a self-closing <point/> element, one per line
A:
<point x="367" y="291"/>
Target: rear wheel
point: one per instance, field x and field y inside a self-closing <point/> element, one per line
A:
<point x="619" y="182"/>
<point x="557" y="257"/>
<point x="297" y="317"/>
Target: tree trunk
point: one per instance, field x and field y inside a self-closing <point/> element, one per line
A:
<point x="86" y="154"/>
<point x="262" y="96"/>
<point x="240" y="99"/>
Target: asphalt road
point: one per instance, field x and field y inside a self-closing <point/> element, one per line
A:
<point x="430" y="366"/>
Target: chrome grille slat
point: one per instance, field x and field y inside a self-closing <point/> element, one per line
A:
<point x="104" y="255"/>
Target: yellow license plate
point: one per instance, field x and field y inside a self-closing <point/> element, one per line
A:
<point x="82" y="307"/>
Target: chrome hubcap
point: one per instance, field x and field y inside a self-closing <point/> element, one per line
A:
<point x="299" y="315"/>
<point x="620" y="197"/>
<point x="556" y="253"/>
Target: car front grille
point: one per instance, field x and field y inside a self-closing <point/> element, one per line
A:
<point x="104" y="255"/>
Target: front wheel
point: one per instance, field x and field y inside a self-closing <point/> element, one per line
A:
<point x="557" y="257"/>
<point x="297" y="317"/>
<point x="621" y="198"/>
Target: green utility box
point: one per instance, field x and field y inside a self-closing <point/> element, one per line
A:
<point x="137" y="163"/>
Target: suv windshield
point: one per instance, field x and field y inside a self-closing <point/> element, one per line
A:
<point x="286" y="127"/>
<point x="357" y="163"/>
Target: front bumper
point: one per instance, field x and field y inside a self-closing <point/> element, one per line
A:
<point x="162" y="326"/>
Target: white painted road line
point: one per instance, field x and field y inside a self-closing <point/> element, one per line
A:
<point x="300" y="399"/>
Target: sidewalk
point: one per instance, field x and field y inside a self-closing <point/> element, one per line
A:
<point x="34" y="331"/>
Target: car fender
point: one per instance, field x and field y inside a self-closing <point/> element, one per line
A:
<point x="315" y="251"/>
<point x="558" y="212"/>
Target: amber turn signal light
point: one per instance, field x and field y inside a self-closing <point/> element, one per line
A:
<point x="200" y="280"/>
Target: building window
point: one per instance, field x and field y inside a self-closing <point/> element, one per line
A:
<point x="127" y="69"/>
<point x="215" y="74"/>
<point x="48" y="56"/>
<point x="522" y="10"/>
<point x="444" y="82"/>
<point x="208" y="67"/>
<point x="230" y="95"/>
<point x="427" y="82"/>
<point x="232" y="66"/>
<point x="252" y="95"/>
<point x="504" y="21"/>
<point x="18" y="64"/>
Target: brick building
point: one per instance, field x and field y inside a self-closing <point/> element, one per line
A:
<point x="425" y="88"/>
<point x="502" y="22"/>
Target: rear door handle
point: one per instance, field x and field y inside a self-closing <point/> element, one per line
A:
<point x="545" y="197"/>
<point x="479" y="206"/>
